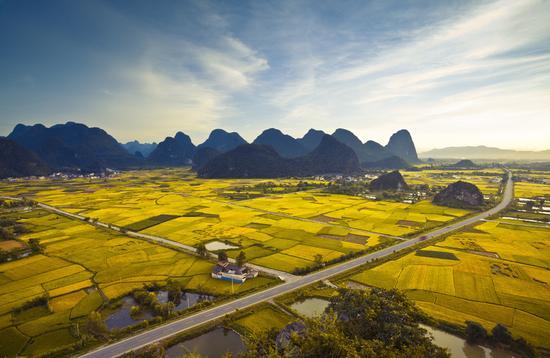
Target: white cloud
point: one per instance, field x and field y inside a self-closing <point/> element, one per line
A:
<point x="482" y="68"/>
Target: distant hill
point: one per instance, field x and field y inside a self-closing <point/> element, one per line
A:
<point x="17" y="161"/>
<point x="368" y="152"/>
<point x="203" y="156"/>
<point x="261" y="161"/>
<point x="330" y="156"/>
<point x="285" y="145"/>
<point x="348" y="138"/>
<point x="483" y="152"/>
<point x="223" y="141"/>
<point x="375" y="151"/>
<point x="460" y="195"/>
<point x="247" y="161"/>
<point x="176" y="151"/>
<point x="311" y="139"/>
<point x="74" y="146"/>
<point x="389" y="181"/>
<point x="402" y="145"/>
<point x="465" y="163"/>
<point x="144" y="148"/>
<point x="392" y="162"/>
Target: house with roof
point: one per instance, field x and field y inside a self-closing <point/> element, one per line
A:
<point x="227" y="271"/>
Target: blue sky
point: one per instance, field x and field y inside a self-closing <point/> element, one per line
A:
<point x="452" y="72"/>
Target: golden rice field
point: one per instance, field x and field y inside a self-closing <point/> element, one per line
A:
<point x="176" y="205"/>
<point x="499" y="274"/>
<point x="489" y="183"/>
<point x="192" y="211"/>
<point x="531" y="190"/>
<point x="81" y="268"/>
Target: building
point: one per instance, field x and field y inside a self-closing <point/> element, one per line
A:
<point x="231" y="272"/>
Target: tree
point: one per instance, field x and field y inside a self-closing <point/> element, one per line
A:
<point x="241" y="259"/>
<point x="95" y="325"/>
<point x="501" y="334"/>
<point x="383" y="315"/>
<point x="34" y="244"/>
<point x="475" y="332"/>
<point x="5" y="234"/>
<point x="201" y="249"/>
<point x="318" y="259"/>
<point x="222" y="256"/>
<point x="347" y="330"/>
<point x="134" y="310"/>
<point x="174" y="291"/>
<point x="166" y="310"/>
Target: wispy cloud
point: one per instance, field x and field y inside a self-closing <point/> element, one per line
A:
<point x="453" y="73"/>
<point x="420" y="80"/>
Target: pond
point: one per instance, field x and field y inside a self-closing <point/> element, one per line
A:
<point x="122" y="318"/>
<point x="459" y="348"/>
<point x="187" y="300"/>
<point x="212" y="344"/>
<point x="218" y="245"/>
<point x="310" y="307"/>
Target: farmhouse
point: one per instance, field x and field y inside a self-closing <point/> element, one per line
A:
<point x="231" y="272"/>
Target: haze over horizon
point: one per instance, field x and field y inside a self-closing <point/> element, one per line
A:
<point x="453" y="73"/>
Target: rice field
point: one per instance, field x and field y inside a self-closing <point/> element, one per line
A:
<point x="531" y="190"/>
<point x="176" y="205"/>
<point x="487" y="180"/>
<point x="82" y="267"/>
<point x="500" y="275"/>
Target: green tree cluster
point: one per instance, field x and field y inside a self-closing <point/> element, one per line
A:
<point x="378" y="323"/>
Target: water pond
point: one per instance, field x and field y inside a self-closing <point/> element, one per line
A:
<point x="122" y="318"/>
<point x="212" y="344"/>
<point x="459" y="348"/>
<point x="218" y="245"/>
<point x="187" y="300"/>
<point x="310" y="307"/>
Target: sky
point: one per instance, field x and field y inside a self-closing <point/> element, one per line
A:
<point x="451" y="72"/>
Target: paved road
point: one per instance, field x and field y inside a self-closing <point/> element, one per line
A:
<point x="172" y="328"/>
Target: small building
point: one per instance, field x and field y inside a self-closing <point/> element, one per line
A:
<point x="227" y="271"/>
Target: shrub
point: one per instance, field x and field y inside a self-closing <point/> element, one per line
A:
<point x="501" y="334"/>
<point x="475" y="332"/>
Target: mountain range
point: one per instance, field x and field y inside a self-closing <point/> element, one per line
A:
<point x="17" y="161"/>
<point x="263" y="161"/>
<point x="73" y="146"/>
<point x="483" y="152"/>
<point x="135" y="146"/>
<point x="173" y="151"/>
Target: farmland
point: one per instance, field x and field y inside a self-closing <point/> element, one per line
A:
<point x="487" y="180"/>
<point x="492" y="273"/>
<point x="82" y="267"/>
<point x="289" y="227"/>
<point x="178" y="206"/>
<point x="287" y="224"/>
